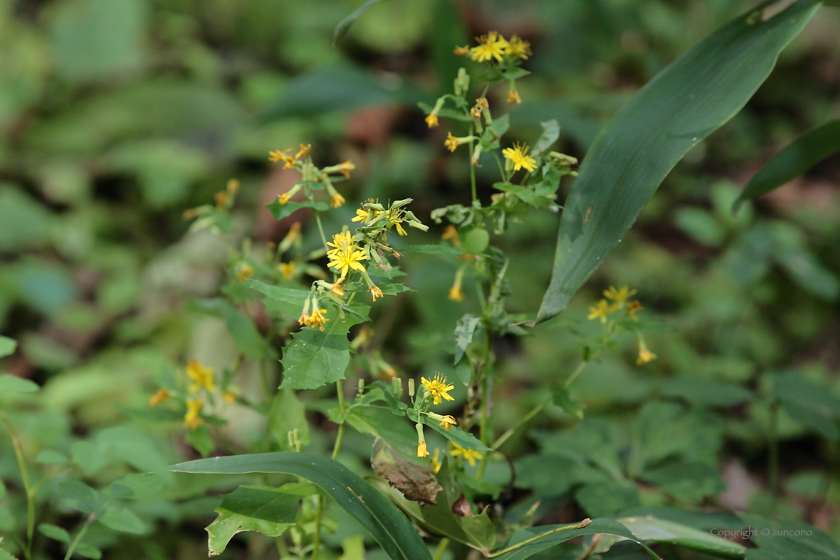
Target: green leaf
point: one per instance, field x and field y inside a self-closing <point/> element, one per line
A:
<point x="7" y="346"/>
<point x="607" y="497"/>
<point x="686" y="480"/>
<point x="526" y="195"/>
<point x="51" y="457"/>
<point x="12" y="384"/>
<point x="476" y="531"/>
<point x="137" y="486"/>
<point x="280" y="211"/>
<point x="550" y="134"/>
<point x="89" y="456"/>
<point x="371" y="509"/>
<point x="783" y="540"/>
<point x="536" y="539"/>
<point x="705" y="392"/>
<point x="263" y="509"/>
<point x="344" y="25"/>
<point x="566" y="401"/>
<point x="456" y="435"/>
<point x="54" y="532"/>
<point x="681" y="106"/>
<point x="243" y="331"/>
<point x="286" y="414"/>
<point x="809" y="404"/>
<point x="794" y="160"/>
<point x="315" y="358"/>
<point x="380" y="422"/>
<point x="6" y="556"/>
<point x="464" y="331"/>
<point x="119" y="518"/>
<point x="201" y="440"/>
<point x="662" y="531"/>
<point x="79" y="496"/>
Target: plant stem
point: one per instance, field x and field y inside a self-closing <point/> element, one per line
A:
<point x="88" y="522"/>
<point x="485" y="398"/>
<point x="522" y="421"/>
<point x="321" y="230"/>
<point x="441" y="549"/>
<point x="773" y="459"/>
<point x="585" y="523"/>
<point x="574" y="375"/>
<point x="472" y="168"/>
<point x="27" y="486"/>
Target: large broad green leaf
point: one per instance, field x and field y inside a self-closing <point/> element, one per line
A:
<point x="795" y="159"/>
<point x="663" y="531"/>
<point x="315" y="358"/>
<point x="528" y="542"/>
<point x="371" y="509"/>
<point x="809" y="404"/>
<point x="784" y="540"/>
<point x="267" y="510"/>
<point x="675" y="111"/>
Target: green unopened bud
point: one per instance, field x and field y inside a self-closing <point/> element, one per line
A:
<point x="411" y="388"/>
<point x="396" y="386"/>
<point x="361" y="385"/>
<point x="401" y="203"/>
<point x="462" y="82"/>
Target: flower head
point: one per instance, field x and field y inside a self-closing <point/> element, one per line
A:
<point x="518" y="47"/>
<point x="346" y="168"/>
<point x="336" y="288"/>
<point x="287" y="269"/>
<point x="362" y="215"/>
<point x="336" y="200"/>
<point x="451" y="143"/>
<point x="375" y="292"/>
<point x="159" y="397"/>
<point x="447" y="422"/>
<point x="421" y="450"/>
<point x="201" y="376"/>
<point x="645" y="355"/>
<point x="600" y="311"/>
<point x="632" y="308"/>
<point x="489" y="46"/>
<point x="620" y="295"/>
<point x="229" y="397"/>
<point x="345" y="254"/>
<point x="519" y="158"/>
<point x="432" y="120"/>
<point x="437" y="388"/>
<point x="456" y="293"/>
<point x="513" y="96"/>
<point x="244" y="271"/>
<point x="304" y="151"/>
<point x="436" y="460"/>
<point x="462" y="51"/>
<point x="317" y="318"/>
<point x="283" y="198"/>
<point x="192" y="420"/>
<point x="278" y="155"/>
<point x="470" y="455"/>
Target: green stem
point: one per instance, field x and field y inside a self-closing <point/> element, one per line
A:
<point x="585" y="523"/>
<point x="27" y="486"/>
<point x="472" y="169"/>
<point x="441" y="549"/>
<point x="501" y="167"/>
<point x="485" y="397"/>
<point x="321" y="230"/>
<point x="773" y="459"/>
<point x="522" y="421"/>
<point x="88" y="522"/>
<point x="574" y="375"/>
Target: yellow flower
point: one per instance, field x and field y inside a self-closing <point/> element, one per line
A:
<point x="336" y="288"/>
<point x="490" y="46"/>
<point x="336" y="200"/>
<point x="287" y="269"/>
<point x="451" y="143"/>
<point x="278" y="155"/>
<point x="361" y="215"/>
<point x="228" y="397"/>
<point x="221" y="198"/>
<point x="346" y="255"/>
<point x="283" y="198"/>
<point x="304" y="151"/>
<point x="513" y="96"/>
<point x="451" y="232"/>
<point x="421" y="450"/>
<point x="436" y="460"/>
<point x="201" y="376"/>
<point x="470" y="455"/>
<point x="518" y="156"/>
<point x="620" y="295"/>
<point x="294" y="232"/>
<point x="437" y="388"/>
<point x="462" y="51"/>
<point x="346" y="168"/>
<point x="599" y="310"/>
<point x="317" y="318"/>
<point x="645" y="356"/>
<point x="518" y="47"/>
<point x="375" y="292"/>
<point x="456" y="293"/>
<point x="192" y="420"/>
<point x="432" y="120"/>
<point x="159" y="397"/>
<point x="244" y="271"/>
<point x="632" y="308"/>
<point x="447" y="422"/>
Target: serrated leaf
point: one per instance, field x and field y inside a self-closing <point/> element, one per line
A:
<point x="263" y="509"/>
<point x="280" y="211"/>
<point x="315" y="358"/>
<point x="681" y="106"/>
<point x="6" y="556"/>
<point x="794" y="160"/>
<point x="464" y="331"/>
<point x="375" y="513"/>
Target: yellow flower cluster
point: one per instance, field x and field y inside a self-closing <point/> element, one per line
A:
<point x="614" y="300"/>
<point x="302" y="161"/>
<point x="517" y="158"/>
<point x="493" y="46"/>
<point x="202" y="385"/>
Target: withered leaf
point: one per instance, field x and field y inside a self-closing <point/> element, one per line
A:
<point x="415" y="480"/>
